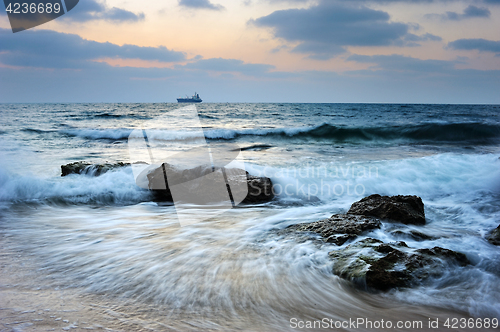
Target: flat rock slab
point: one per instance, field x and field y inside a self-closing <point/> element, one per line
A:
<point x="403" y="209"/>
<point x="339" y="228"/>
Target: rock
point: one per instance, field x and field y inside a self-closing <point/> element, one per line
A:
<point x="414" y="235"/>
<point x="447" y="254"/>
<point x="339" y="228"/>
<point x="256" y="189"/>
<point x="81" y="167"/>
<point x="381" y="266"/>
<point x="260" y="189"/>
<point x="74" y="168"/>
<point x="404" y="209"/>
<point x="494" y="236"/>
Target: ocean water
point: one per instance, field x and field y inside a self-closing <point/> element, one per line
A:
<point x="106" y="236"/>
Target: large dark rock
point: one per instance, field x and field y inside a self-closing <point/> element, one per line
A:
<point x="260" y="189"/>
<point x="339" y="228"/>
<point x="381" y="266"/>
<point x="494" y="236"/>
<point x="202" y="184"/>
<point x="404" y="209"/>
<point x="81" y="167"/>
<point x="372" y="263"/>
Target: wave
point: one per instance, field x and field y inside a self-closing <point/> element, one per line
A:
<point x="107" y="115"/>
<point x="36" y="131"/>
<point x="464" y="177"/>
<point x="114" y="134"/>
<point x="114" y="187"/>
<point x="442" y="132"/>
<point x="425" y="133"/>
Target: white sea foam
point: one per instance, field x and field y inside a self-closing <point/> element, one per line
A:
<point x="170" y="135"/>
<point x="115" y="187"/>
<point x="464" y="177"/>
<point x="239" y="263"/>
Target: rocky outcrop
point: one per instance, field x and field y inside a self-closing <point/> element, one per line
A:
<point x="81" y="167"/>
<point x="372" y="263"/>
<point x="381" y="266"/>
<point x="240" y="185"/>
<point x="403" y="209"/>
<point x="339" y="228"/>
<point x="494" y="236"/>
<point x="366" y="215"/>
<point x="260" y="189"/>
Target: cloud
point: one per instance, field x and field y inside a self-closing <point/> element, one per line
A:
<point x="473" y="11"/>
<point x="419" y="1"/>
<point x="50" y="49"/>
<point x="229" y="65"/>
<point x="104" y="83"/>
<point x="324" y="30"/>
<point x="89" y="10"/>
<point x="469" y="12"/>
<point x="402" y="63"/>
<point x="249" y="2"/>
<point x="200" y="4"/>
<point x="412" y="39"/>
<point x="482" y="45"/>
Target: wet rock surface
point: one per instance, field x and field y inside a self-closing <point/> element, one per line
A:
<point x="373" y="264"/>
<point x="413" y="235"/>
<point x="260" y="189"/>
<point x="403" y="209"/>
<point x="339" y="228"/>
<point x="203" y="184"/>
<point x="494" y="236"/>
<point x="81" y="167"/>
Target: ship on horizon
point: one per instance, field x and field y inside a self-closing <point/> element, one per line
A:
<point x="194" y="99"/>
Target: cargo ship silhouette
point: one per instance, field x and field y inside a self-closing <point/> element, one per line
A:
<point x="194" y="99"/>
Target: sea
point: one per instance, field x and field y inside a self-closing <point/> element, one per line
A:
<point x="104" y="243"/>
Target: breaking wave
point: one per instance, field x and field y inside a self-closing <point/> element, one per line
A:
<point x="429" y="132"/>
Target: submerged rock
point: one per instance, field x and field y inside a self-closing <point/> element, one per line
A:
<point x="413" y="235"/>
<point x="339" y="228"/>
<point x="377" y="265"/>
<point x="404" y="209"/>
<point x="494" y="236"/>
<point x="202" y="184"/>
<point x="81" y="167"/>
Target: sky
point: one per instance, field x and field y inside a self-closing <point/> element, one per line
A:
<point x="328" y="51"/>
